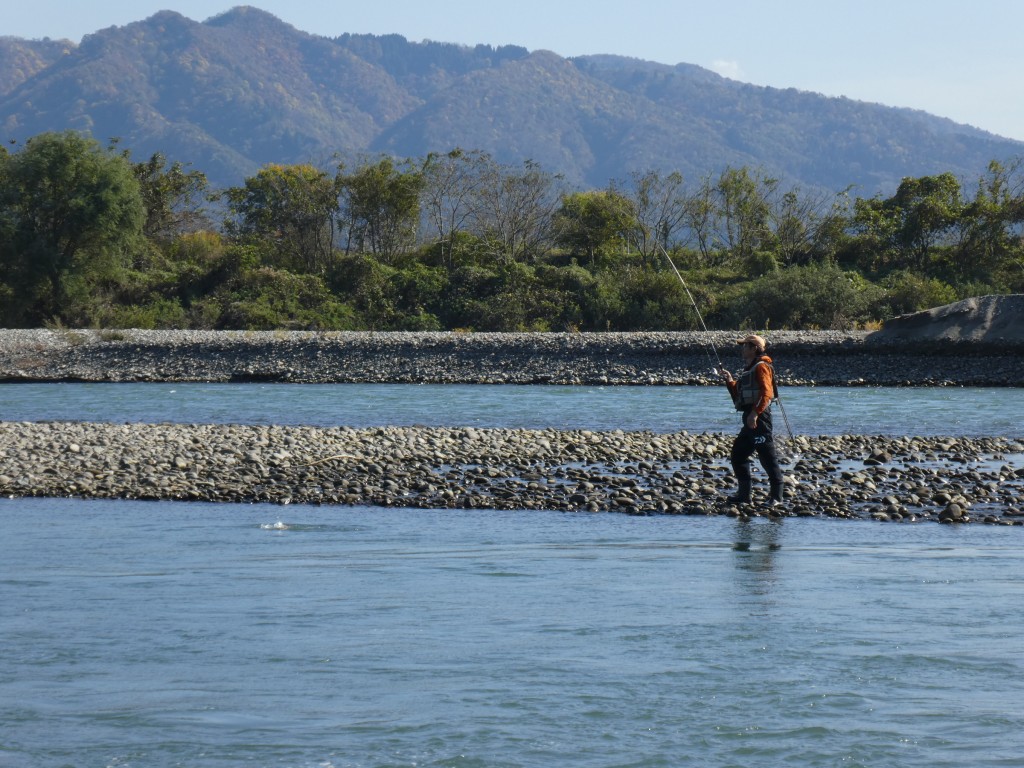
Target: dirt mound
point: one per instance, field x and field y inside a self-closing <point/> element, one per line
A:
<point x="982" y="319"/>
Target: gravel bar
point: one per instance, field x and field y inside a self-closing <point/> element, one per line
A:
<point x="823" y="358"/>
<point x="909" y="479"/>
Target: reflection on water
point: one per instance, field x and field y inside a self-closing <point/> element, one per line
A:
<point x="756" y="545"/>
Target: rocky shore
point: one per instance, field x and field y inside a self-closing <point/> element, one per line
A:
<point x="860" y="477"/>
<point x="823" y="358"/>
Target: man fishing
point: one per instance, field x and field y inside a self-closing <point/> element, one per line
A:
<point x="752" y="394"/>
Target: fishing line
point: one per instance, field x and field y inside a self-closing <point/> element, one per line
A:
<point x="695" y="308"/>
<point x="792" y="454"/>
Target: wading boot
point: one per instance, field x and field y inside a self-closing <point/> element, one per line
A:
<point x="742" y="495"/>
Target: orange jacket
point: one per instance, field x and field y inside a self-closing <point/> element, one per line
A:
<point x="762" y="380"/>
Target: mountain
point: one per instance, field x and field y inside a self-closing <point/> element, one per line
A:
<point x="243" y="89"/>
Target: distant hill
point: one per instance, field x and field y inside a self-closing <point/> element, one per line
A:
<point x="244" y="88"/>
<point x="21" y="59"/>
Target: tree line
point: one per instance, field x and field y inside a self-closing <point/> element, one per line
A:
<point x="91" y="237"/>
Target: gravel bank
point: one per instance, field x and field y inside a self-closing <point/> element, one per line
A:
<point x="905" y="479"/>
<point x="802" y="358"/>
<point x="861" y="477"/>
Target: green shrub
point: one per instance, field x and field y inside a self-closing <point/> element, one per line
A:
<point x="157" y="313"/>
<point x="266" y="299"/>
<point x="761" y="263"/>
<point x="650" y="300"/>
<point x="907" y="291"/>
<point x="205" y="313"/>
<point x="816" y="296"/>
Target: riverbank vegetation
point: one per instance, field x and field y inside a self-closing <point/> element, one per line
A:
<point x="92" y="237"/>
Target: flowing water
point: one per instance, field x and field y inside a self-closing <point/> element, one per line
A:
<point x="140" y="634"/>
<point x="174" y="634"/>
<point x="812" y="411"/>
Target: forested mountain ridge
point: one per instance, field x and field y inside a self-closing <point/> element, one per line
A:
<point x="243" y="89"/>
<point x="21" y="59"/>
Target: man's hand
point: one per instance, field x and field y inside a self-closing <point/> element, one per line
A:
<point x="752" y="420"/>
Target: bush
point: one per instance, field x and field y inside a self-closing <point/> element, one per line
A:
<point x="197" y="247"/>
<point x="650" y="300"/>
<point x="267" y="299"/>
<point x="816" y="296"/>
<point x="389" y="298"/>
<point x="907" y="291"/>
<point x="468" y="292"/>
<point x="418" y="289"/>
<point x="569" y="291"/>
<point x="761" y="263"/>
<point x="157" y="313"/>
<point x="205" y="314"/>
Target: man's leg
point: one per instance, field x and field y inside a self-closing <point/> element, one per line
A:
<point x="765" y="445"/>
<point x="742" y="449"/>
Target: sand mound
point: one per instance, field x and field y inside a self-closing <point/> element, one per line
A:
<point x="983" y="319"/>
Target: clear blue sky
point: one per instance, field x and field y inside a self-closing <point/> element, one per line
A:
<point x="956" y="59"/>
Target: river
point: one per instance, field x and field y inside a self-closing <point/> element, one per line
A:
<point x="960" y="411"/>
<point x="185" y="634"/>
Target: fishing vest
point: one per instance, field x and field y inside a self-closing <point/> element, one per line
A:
<point x="747" y="392"/>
